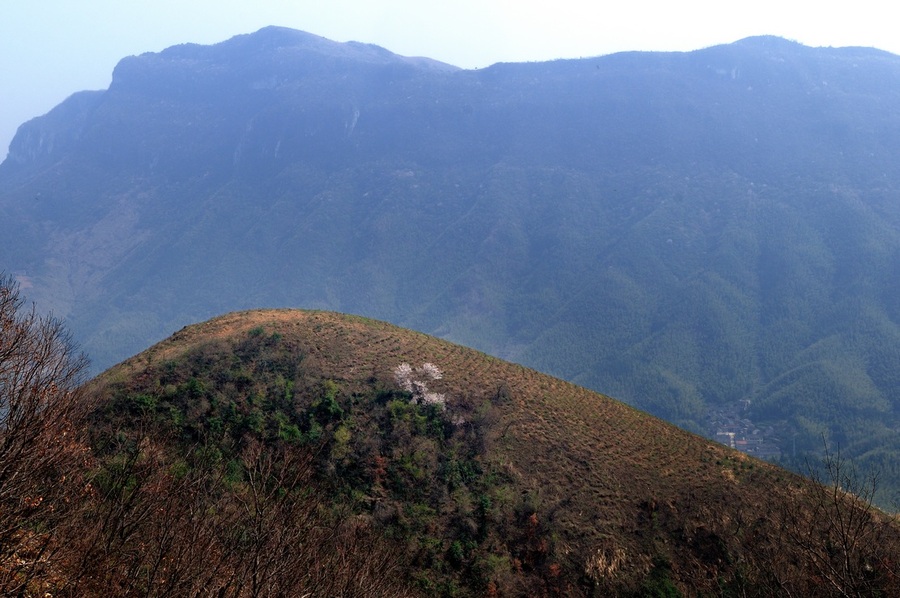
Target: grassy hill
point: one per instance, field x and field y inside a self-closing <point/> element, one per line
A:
<point x="290" y="447"/>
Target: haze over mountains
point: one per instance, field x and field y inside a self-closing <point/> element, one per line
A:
<point x="678" y="230"/>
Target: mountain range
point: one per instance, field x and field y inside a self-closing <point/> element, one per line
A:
<point x="684" y="231"/>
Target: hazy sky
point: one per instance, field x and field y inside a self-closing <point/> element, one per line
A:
<point x="50" y="49"/>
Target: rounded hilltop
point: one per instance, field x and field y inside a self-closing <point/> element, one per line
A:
<point x="478" y="475"/>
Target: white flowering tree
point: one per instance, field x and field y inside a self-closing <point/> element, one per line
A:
<point x="414" y="381"/>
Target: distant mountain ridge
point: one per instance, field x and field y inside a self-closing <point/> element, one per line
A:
<point x="679" y="230"/>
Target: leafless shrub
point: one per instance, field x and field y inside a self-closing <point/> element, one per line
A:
<point x="833" y="540"/>
<point x="41" y="415"/>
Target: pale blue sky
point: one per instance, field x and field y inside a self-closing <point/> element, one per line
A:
<point x="50" y="49"/>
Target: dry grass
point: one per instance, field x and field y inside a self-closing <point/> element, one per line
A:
<point x="618" y="488"/>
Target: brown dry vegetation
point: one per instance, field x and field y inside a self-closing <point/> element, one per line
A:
<point x="551" y="490"/>
<point x="616" y="497"/>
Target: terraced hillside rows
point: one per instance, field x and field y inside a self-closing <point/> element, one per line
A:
<point x="475" y="476"/>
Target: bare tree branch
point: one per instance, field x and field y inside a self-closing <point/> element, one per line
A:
<point x="42" y="411"/>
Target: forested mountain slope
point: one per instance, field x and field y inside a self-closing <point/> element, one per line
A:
<point x="679" y="230"/>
